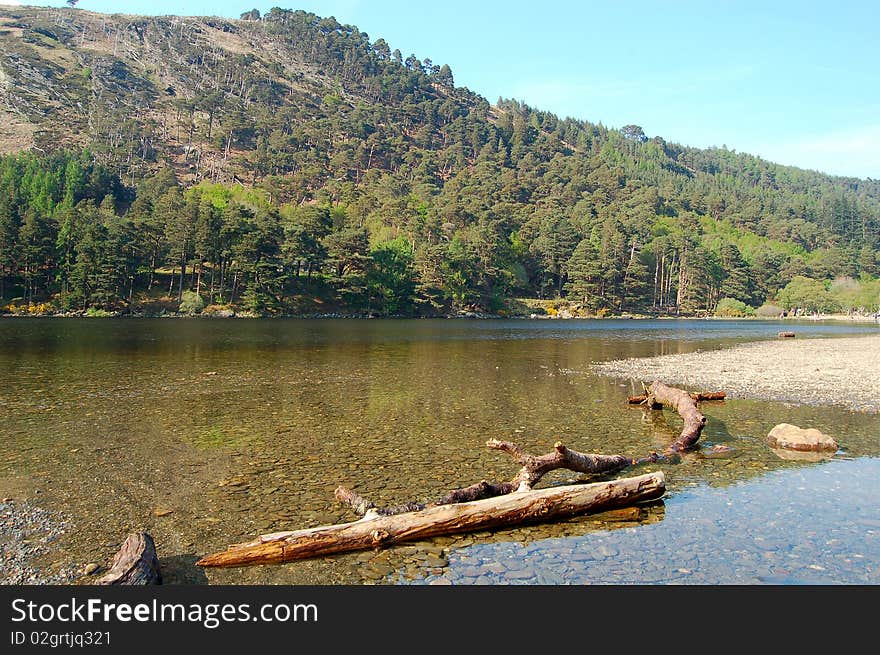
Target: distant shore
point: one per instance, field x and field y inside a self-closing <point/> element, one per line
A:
<point x="841" y="371"/>
<point x="229" y="313"/>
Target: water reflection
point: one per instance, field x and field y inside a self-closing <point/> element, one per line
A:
<point x="245" y="427"/>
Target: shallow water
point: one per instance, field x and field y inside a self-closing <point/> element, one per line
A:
<point x="241" y="427"/>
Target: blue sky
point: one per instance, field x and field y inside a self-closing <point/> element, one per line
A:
<point x="793" y="82"/>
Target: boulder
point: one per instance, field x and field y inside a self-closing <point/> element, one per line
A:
<point x="791" y="437"/>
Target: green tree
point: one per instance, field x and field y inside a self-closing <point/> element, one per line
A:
<point x="9" y="244"/>
<point x="179" y="218"/>
<point x="391" y="278"/>
<point x="553" y="246"/>
<point x="765" y="274"/>
<point x="806" y="294"/>
<point x="348" y="251"/>
<point x="88" y="283"/>
<point x="737" y="281"/>
<point x="37" y="237"/>
<point x="585" y="275"/>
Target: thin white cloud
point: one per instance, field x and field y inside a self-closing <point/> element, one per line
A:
<point x="14" y="3"/>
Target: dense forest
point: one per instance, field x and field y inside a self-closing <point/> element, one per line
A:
<point x="287" y="164"/>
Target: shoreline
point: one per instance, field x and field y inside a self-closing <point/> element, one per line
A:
<point x="797" y="320"/>
<point x="838" y="371"/>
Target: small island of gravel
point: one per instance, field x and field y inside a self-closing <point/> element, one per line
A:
<point x="827" y="371"/>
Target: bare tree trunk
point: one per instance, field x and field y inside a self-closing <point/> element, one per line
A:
<point x="654" y="302"/>
<point x="182" y="276"/>
<point x="374" y="531"/>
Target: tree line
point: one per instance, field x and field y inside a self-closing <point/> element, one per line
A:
<point x="72" y="235"/>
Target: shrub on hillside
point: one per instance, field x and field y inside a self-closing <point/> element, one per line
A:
<point x="732" y="308"/>
<point x="191" y="303"/>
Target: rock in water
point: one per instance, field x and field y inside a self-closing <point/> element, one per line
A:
<point x="792" y="437"/>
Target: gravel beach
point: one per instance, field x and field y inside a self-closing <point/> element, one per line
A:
<point x="828" y="371"/>
<point x="26" y="532"/>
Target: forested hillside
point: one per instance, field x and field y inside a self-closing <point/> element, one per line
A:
<point x="284" y="163"/>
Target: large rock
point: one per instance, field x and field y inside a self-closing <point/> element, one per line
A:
<point x="791" y="437"/>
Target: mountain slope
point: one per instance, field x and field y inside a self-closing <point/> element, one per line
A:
<point x="492" y="200"/>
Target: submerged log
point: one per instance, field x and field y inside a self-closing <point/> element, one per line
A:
<point x="681" y="402"/>
<point x="534" y="467"/>
<point x="136" y="563"/>
<point x="562" y="457"/>
<point x="698" y="397"/>
<point x="376" y="531"/>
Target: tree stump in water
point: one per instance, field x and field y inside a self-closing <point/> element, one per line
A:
<point x="135" y="564"/>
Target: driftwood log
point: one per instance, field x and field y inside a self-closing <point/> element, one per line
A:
<point x="682" y="402"/>
<point x="476" y="507"/>
<point x="698" y="397"/>
<point x="534" y="467"/>
<point x="136" y="563"/>
<point x="374" y="531"/>
<point x="483" y="504"/>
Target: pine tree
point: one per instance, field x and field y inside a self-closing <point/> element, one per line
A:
<point x="585" y="275"/>
<point x="737" y="280"/>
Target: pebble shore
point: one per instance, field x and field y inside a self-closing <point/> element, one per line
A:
<point x="826" y="371"/>
<point x="26" y="532"/>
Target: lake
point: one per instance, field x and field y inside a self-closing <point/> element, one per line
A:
<point x="209" y="432"/>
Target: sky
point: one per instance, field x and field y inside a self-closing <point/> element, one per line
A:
<point x="793" y="82"/>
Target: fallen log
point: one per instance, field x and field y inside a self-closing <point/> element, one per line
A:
<point x="698" y="396"/>
<point x="534" y="467"/>
<point x="375" y="531"/>
<point x="136" y="563"/>
<point x="681" y="401"/>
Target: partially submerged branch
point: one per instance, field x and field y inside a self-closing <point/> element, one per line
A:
<point x="365" y="508"/>
<point x="534" y="467"/>
<point x="696" y="396"/>
<point x="682" y="402"/>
